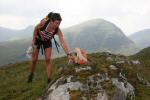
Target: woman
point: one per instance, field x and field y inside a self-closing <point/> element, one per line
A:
<point x="43" y="34"/>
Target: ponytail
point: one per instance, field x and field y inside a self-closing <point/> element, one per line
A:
<point x="50" y="15"/>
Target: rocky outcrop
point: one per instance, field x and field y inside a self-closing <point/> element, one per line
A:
<point x="94" y="82"/>
<point x="90" y="88"/>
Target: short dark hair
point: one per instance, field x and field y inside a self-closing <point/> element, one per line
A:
<point x="54" y="16"/>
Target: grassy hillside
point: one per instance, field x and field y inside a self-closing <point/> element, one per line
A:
<point x="13" y="78"/>
<point x="144" y="68"/>
<point x="143" y="56"/>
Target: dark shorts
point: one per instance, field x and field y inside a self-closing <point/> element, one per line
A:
<point x="46" y="44"/>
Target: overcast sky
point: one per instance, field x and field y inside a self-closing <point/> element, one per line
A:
<point x="129" y="15"/>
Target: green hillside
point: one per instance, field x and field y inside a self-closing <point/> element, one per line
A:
<point x="144" y="67"/>
<point x="13" y="77"/>
<point x="144" y="56"/>
<point x="13" y="80"/>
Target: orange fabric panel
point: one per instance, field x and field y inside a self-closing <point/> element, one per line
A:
<point x="81" y="61"/>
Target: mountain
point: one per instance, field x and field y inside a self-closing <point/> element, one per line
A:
<point x="99" y="35"/>
<point x="10" y="34"/>
<point x="92" y="36"/>
<point x="13" y="51"/>
<point x="107" y="77"/>
<point x="142" y="38"/>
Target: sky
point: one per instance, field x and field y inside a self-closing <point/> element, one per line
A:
<point x="129" y="15"/>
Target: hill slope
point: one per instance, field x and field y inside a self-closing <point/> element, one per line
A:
<point x="13" y="51"/>
<point x="14" y="87"/>
<point x="144" y="53"/>
<point x="143" y="56"/>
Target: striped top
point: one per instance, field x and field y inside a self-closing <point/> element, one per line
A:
<point x="44" y="34"/>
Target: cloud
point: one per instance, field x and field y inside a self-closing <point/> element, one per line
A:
<point x="129" y="15"/>
<point x="15" y="22"/>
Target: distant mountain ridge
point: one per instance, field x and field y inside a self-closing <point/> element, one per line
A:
<point x="11" y="34"/>
<point x="142" y="38"/>
<point x="95" y="35"/>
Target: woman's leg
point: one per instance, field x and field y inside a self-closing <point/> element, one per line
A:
<point x="34" y="59"/>
<point x="33" y="66"/>
<point x="48" y="52"/>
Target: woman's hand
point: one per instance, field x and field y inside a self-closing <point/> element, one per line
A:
<point x="69" y="56"/>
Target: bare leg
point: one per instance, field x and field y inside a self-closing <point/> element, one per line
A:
<point x="34" y="59"/>
<point x="48" y="52"/>
<point x="33" y="66"/>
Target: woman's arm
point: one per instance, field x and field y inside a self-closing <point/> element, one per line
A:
<point x="63" y="42"/>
